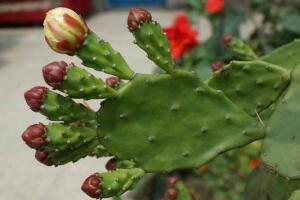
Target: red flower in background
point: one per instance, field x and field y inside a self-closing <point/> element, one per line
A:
<point x="214" y="6"/>
<point x="182" y="36"/>
<point x="254" y="163"/>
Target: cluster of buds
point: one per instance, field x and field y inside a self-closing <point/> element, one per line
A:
<point x="35" y="137"/>
<point x="172" y="191"/>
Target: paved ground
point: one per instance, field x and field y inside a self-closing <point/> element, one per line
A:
<point x="23" y="52"/>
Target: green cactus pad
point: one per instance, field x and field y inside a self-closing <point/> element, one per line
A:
<point x="67" y="143"/>
<point x="283" y="133"/>
<point x="295" y="195"/>
<point x="115" y="183"/>
<point x="79" y="83"/>
<point x="59" y="108"/>
<point x="241" y="50"/>
<point x="265" y="184"/>
<point x="61" y="137"/>
<point x="252" y="85"/>
<point x="183" y="193"/>
<point x="151" y="38"/>
<point x="287" y="56"/>
<point x="99" y="55"/>
<point x="73" y="155"/>
<point x="166" y="122"/>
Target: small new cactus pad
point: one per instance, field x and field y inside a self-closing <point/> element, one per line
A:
<point x="59" y="108"/>
<point x="176" y="114"/>
<point x="283" y="132"/>
<point x="76" y="82"/>
<point x="67" y="33"/>
<point x="99" y="55"/>
<point x="265" y="184"/>
<point x="239" y="49"/>
<point x="150" y="37"/>
<point x="112" y="183"/>
<point x="63" y="143"/>
<point x="252" y="85"/>
<point x="287" y="56"/>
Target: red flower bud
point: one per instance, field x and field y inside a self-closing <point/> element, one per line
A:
<point x="136" y="17"/>
<point x="92" y="186"/>
<point x="35" y="136"/>
<point x="217" y="65"/>
<point x="112" y="81"/>
<point x="172" y="193"/>
<point x="42" y="157"/>
<point x="227" y="39"/>
<point x="111" y="164"/>
<point x="54" y="73"/>
<point x="35" y="97"/>
<point x="171" y="181"/>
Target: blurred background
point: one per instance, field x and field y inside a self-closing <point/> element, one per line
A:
<point x="200" y="26"/>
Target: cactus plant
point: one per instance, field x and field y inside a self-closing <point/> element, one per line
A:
<point x="151" y="122"/>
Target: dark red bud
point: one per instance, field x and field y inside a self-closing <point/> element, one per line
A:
<point x="227" y="39"/>
<point x="35" y="97"/>
<point x="111" y="164"/>
<point x="112" y="81"/>
<point x="54" y="73"/>
<point x="217" y="65"/>
<point x="171" y="181"/>
<point x="172" y="193"/>
<point x="136" y="17"/>
<point x="42" y="157"/>
<point x="92" y="186"/>
<point x="35" y="136"/>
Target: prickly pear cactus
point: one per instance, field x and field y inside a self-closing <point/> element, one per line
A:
<point x="282" y="135"/>
<point x="150" y="122"/>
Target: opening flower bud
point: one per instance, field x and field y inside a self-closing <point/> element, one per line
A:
<point x="35" y="136"/>
<point x="42" y="157"/>
<point x="64" y="30"/>
<point x="217" y="65"/>
<point x="136" y="17"/>
<point x="91" y="186"/>
<point x="54" y="73"/>
<point x="35" y="97"/>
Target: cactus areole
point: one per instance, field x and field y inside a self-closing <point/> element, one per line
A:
<point x="157" y="122"/>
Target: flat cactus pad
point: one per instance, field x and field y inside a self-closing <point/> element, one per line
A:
<point x="282" y="137"/>
<point x="252" y="85"/>
<point x="166" y="122"/>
